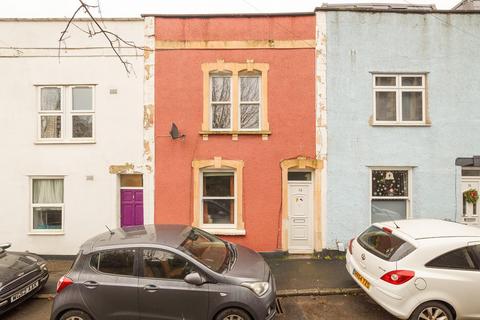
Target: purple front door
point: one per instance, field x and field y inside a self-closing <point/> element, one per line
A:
<point x="131" y="201"/>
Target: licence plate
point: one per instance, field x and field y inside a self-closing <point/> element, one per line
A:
<point x="24" y="291"/>
<point x="361" y="279"/>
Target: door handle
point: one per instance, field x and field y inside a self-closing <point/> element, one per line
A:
<point x="90" y="284"/>
<point x="151" y="288"/>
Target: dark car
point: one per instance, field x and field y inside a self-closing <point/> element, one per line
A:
<point x="165" y="272"/>
<point x="22" y="274"/>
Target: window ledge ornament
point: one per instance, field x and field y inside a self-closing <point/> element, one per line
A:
<point x="235" y="134"/>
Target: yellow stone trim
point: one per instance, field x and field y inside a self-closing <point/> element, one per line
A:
<point x="235" y="69"/>
<point x="218" y="163"/>
<point x="235" y="44"/>
<point x="316" y="166"/>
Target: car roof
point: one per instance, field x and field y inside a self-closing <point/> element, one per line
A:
<point x="170" y="235"/>
<point x="431" y="228"/>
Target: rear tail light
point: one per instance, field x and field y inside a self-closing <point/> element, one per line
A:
<point x="350" y="246"/>
<point x="398" y="276"/>
<point x="63" y="282"/>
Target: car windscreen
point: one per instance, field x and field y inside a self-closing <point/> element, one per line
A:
<point x="384" y="244"/>
<point x="206" y="248"/>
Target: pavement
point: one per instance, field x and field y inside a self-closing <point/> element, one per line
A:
<point x="338" y="307"/>
<point x="304" y="275"/>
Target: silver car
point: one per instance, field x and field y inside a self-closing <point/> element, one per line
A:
<point x="165" y="272"/>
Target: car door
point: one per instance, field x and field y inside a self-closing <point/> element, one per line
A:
<point x="109" y="285"/>
<point x="163" y="293"/>
<point x="456" y="275"/>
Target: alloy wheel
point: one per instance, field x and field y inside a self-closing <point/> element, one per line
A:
<point x="233" y="317"/>
<point x="432" y="313"/>
<point x="74" y="318"/>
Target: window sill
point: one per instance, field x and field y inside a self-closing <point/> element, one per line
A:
<point x="39" y="233"/>
<point x="65" y="142"/>
<point x="225" y="232"/>
<point x="400" y="124"/>
<point x="235" y="134"/>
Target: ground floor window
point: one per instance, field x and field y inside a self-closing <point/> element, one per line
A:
<point x="390" y="194"/>
<point x="217" y="196"/>
<point x="47" y="204"/>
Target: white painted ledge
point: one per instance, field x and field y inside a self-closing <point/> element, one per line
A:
<point x="226" y="232"/>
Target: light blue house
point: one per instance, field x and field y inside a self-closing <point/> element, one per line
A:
<point x="399" y="91"/>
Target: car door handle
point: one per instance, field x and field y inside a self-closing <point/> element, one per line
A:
<point x="151" y="288"/>
<point x="90" y="284"/>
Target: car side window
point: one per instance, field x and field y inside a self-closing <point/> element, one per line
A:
<point x="118" y="262"/>
<point x="456" y="259"/>
<point x="162" y="264"/>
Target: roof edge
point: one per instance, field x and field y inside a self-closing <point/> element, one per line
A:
<point x="65" y="19"/>
<point x="413" y="11"/>
<point x="228" y="15"/>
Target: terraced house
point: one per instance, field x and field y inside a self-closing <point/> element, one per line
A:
<point x="235" y="150"/>
<point x="72" y="128"/>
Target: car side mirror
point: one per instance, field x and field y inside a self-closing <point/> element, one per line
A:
<point x="5" y="245"/>
<point x="194" y="278"/>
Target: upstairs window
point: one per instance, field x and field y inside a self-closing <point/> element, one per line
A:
<point x="235" y="99"/>
<point x="399" y="99"/>
<point x="66" y="114"/>
<point x="221" y="101"/>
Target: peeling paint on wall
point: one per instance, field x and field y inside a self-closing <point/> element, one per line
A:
<point x="123" y="168"/>
<point x="148" y="116"/>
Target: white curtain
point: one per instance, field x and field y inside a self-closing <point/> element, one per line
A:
<point x="48" y="191"/>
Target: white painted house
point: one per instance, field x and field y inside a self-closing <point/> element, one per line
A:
<point x="72" y="134"/>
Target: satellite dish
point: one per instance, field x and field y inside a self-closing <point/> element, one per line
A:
<point x="174" y="133"/>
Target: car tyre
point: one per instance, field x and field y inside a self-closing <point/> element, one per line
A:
<point x="432" y="310"/>
<point x="233" y="314"/>
<point x="75" y="315"/>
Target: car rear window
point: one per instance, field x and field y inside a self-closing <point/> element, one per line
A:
<point x="384" y="244"/>
<point x="120" y="261"/>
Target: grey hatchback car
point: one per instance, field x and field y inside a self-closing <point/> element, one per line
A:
<point x="165" y="272"/>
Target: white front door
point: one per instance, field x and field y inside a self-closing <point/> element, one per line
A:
<point x="469" y="210"/>
<point x="300" y="216"/>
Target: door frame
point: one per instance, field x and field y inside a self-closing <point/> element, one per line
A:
<point x="315" y="166"/>
<point x="311" y="231"/>
<point x="119" y="195"/>
<point x="461" y="218"/>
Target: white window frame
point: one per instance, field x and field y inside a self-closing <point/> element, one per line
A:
<point x="398" y="89"/>
<point x="66" y="114"/>
<point x="240" y="102"/>
<point x="216" y="226"/>
<point x="221" y="102"/>
<point x="408" y="198"/>
<point x="49" y="205"/>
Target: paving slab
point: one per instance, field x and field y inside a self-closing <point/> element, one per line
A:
<point x="310" y="273"/>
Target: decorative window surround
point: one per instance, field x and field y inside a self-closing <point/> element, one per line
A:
<point x="218" y="164"/>
<point x="393" y="89"/>
<point x="235" y="70"/>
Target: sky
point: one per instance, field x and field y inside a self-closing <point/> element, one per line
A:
<point x="134" y="8"/>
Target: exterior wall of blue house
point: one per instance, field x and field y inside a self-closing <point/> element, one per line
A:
<point x="445" y="47"/>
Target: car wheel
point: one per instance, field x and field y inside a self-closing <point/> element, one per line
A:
<point x="432" y="311"/>
<point x="75" y="315"/>
<point x="233" y="314"/>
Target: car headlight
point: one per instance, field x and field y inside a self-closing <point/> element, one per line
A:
<point x="260" y="288"/>
<point x="42" y="265"/>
